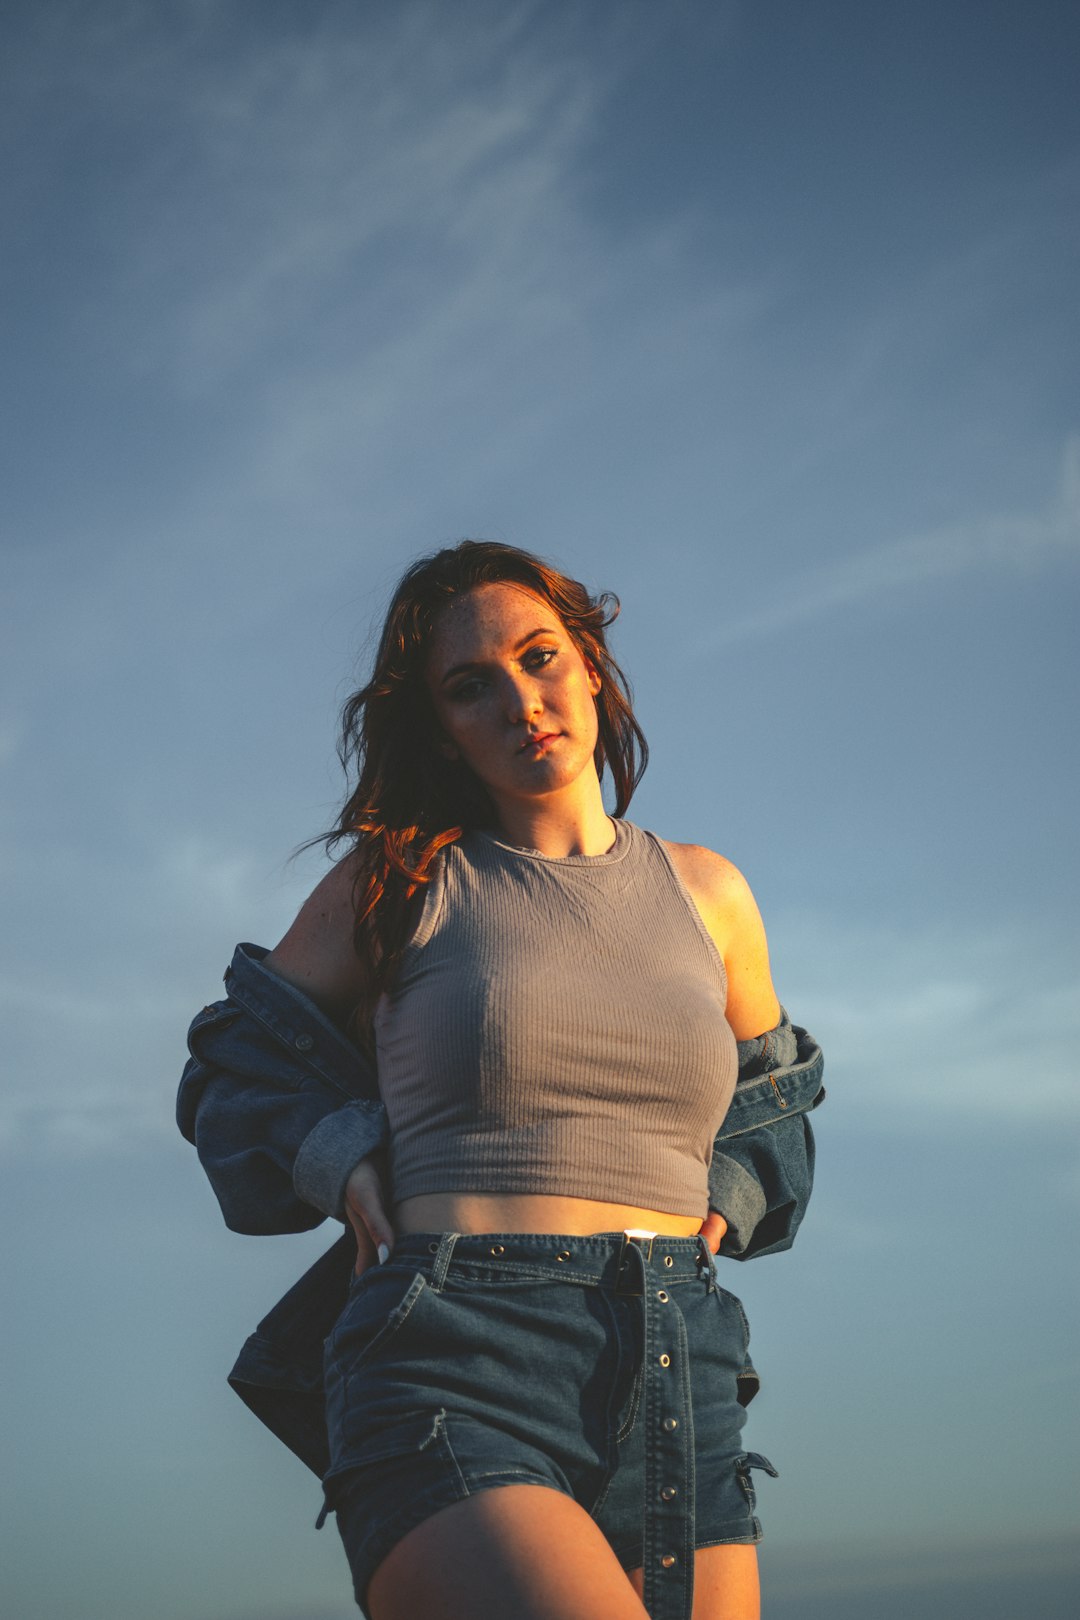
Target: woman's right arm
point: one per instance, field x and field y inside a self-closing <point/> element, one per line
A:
<point x="280" y="1104"/>
<point x="318" y="957"/>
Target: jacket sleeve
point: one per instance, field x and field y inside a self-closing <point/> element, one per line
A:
<point x="762" y="1168"/>
<point x="279" y="1104"/>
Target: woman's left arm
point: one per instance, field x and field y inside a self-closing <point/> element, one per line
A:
<point x="729" y="911"/>
<point x="762" y="1167"/>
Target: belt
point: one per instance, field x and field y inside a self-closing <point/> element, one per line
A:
<point x="668" y="1506"/>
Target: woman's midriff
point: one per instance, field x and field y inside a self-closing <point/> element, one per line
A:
<point x="529" y="1212"/>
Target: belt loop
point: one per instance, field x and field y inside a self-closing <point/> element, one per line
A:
<point x="707" y="1260"/>
<point x="630" y="1274"/>
<point x="443" y="1256"/>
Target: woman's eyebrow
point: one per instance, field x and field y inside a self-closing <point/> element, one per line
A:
<point x="460" y="669"/>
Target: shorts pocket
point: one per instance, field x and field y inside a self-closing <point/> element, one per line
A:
<point x="736" y="1329"/>
<point x="409" y="1437"/>
<point x="379" y="1305"/>
<point x="736" y="1304"/>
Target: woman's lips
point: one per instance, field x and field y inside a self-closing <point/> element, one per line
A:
<point x="535" y="742"/>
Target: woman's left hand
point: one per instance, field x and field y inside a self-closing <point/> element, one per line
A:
<point x="712" y="1230"/>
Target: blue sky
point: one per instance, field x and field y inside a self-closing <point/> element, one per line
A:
<point x="763" y="316"/>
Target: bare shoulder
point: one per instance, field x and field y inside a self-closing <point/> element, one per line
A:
<point x="317" y="953"/>
<point x="701" y="863"/>
<point x="730" y="913"/>
<point x="718" y="888"/>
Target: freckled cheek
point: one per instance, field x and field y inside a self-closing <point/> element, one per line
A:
<point x="477" y="743"/>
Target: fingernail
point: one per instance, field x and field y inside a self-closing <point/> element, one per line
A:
<point x="384" y="1254"/>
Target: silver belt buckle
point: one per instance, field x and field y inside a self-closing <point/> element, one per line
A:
<point x="634" y="1237"/>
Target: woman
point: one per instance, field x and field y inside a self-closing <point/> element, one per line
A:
<point x="538" y="1390"/>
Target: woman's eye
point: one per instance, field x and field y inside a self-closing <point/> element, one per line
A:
<point x="535" y="658"/>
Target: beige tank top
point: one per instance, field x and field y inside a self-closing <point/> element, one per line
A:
<point x="557" y="1027"/>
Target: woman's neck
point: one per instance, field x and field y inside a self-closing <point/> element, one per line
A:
<point x="558" y="829"/>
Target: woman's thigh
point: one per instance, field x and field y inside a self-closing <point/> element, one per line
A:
<point x="520" y="1550"/>
<point x="725" y="1583"/>
<point x="534" y="1553"/>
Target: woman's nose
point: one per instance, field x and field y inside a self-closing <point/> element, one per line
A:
<point x="522" y="697"/>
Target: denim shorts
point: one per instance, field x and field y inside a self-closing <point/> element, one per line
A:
<point x="615" y="1370"/>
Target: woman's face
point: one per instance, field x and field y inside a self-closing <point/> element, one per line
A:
<point x="513" y="696"/>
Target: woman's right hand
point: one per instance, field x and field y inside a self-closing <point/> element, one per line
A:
<point x="367" y="1214"/>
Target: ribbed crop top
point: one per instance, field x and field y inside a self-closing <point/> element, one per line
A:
<point x="557" y="1027"/>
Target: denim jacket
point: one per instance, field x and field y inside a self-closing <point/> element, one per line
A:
<point x="281" y="1106"/>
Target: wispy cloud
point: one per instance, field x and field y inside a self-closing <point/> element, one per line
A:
<point x="941" y="1023"/>
<point x="372" y="169"/>
<point x="995" y="542"/>
<point x="94" y="1040"/>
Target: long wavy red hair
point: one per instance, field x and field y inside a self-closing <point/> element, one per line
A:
<point x="409" y="800"/>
